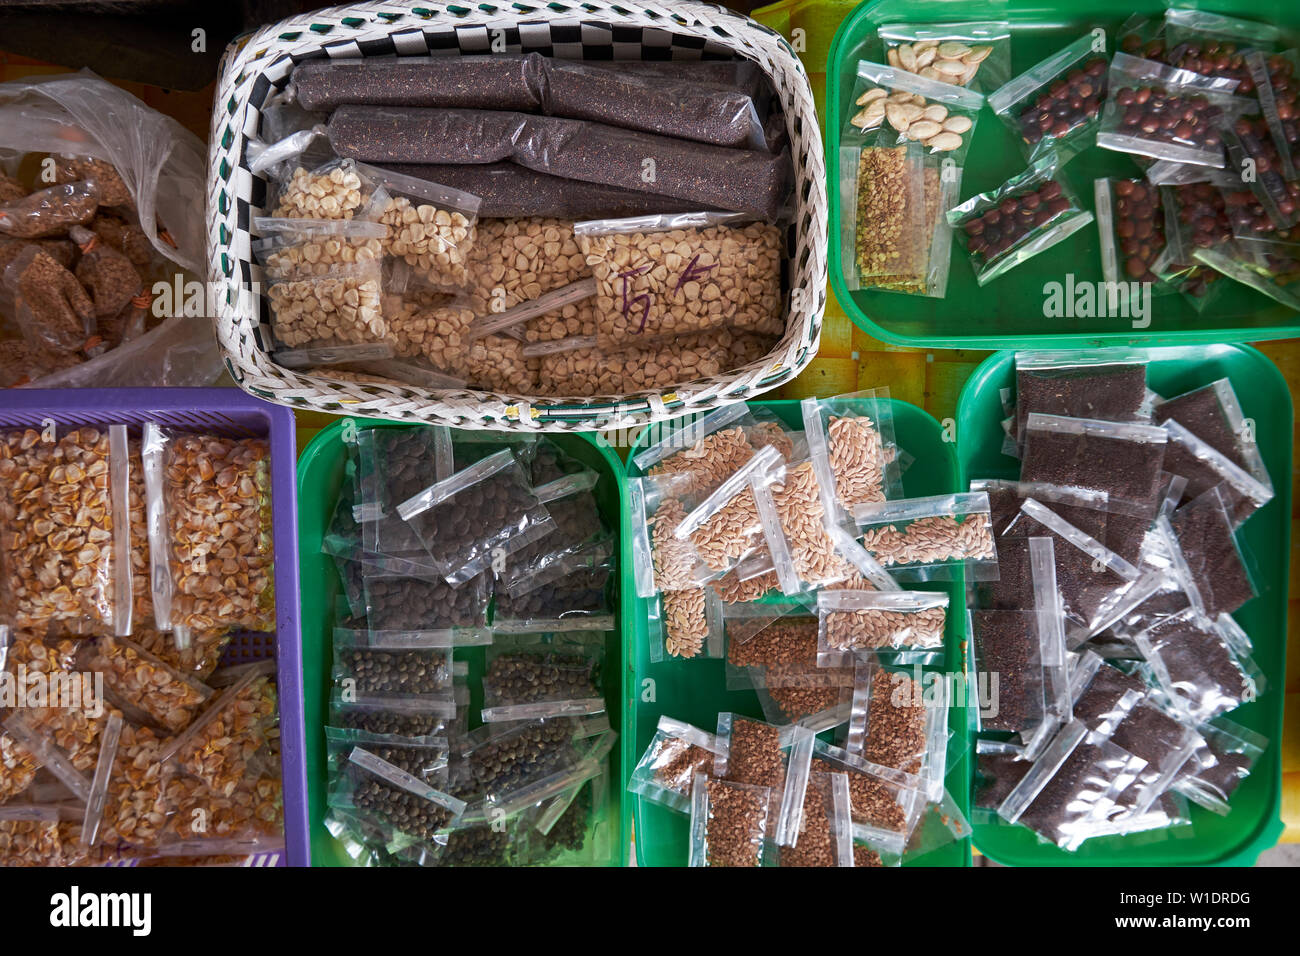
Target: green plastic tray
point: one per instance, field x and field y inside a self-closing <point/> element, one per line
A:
<point x="695" y="691"/>
<point x="320" y="472"/>
<point x="1254" y="824"/>
<point x="1008" y="312"/>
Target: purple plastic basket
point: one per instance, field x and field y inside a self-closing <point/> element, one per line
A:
<point x="226" y="411"/>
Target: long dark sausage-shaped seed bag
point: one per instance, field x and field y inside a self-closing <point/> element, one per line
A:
<point x="746" y="181"/>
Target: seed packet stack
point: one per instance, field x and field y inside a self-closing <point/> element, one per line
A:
<point x="788" y="548"/>
<point x="1120" y="536"/>
<point x="467" y="711"/>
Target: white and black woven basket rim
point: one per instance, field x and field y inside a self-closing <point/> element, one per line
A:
<point x="254" y="69"/>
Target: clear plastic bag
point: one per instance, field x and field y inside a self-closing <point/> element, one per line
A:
<point x="667" y="769"/>
<point x="709" y="449"/>
<point x="1210" y="43"/>
<point x="1166" y="113"/>
<point x="336" y="189"/>
<point x="536" y="84"/>
<point x="505" y="759"/>
<point x="53" y="309"/>
<point x="1274" y="78"/>
<point x="161" y="164"/>
<point x="343" y="306"/>
<point x="65" y="529"/>
<point x="825" y="833"/>
<point x="369" y="673"/>
<point x="578" y="523"/>
<point x="298" y="248"/>
<point x="773" y="649"/>
<point x="145" y="685"/>
<point x="570" y="594"/>
<point x="852" y="447"/>
<point x="1123" y="459"/>
<point x="807" y="551"/>
<point x="929" y="539"/>
<point x="1204" y="529"/>
<point x="1230" y="753"/>
<point x="1195" y="218"/>
<point x="1054" y="105"/>
<point x="1269" y="268"/>
<point x="1267" y="207"/>
<point x="430" y="226"/>
<point x="694" y="272"/>
<point x="1204" y="468"/>
<point x="980" y="48"/>
<point x="423" y="610"/>
<point x="1072" y="789"/>
<point x="1213" y="413"/>
<point x="484" y="513"/>
<point x="851" y="622"/>
<point x="194" y="563"/>
<point x="49" y="211"/>
<point x="898" y="722"/>
<point x="397" y="788"/>
<point x="1202" y="665"/>
<point x="1083" y="508"/>
<point x="534" y="677"/>
<point x="1166" y="744"/>
<point x="897" y="223"/>
<point x="1029" y="213"/>
<point x="1108" y="385"/>
<point x="1087" y="572"/>
<point x="884" y="808"/>
<point x="685" y="624"/>
<point x="221" y="746"/>
<point x="728" y="822"/>
<point x="662" y="561"/>
<point x="385" y="721"/>
<point x="725" y="528"/>
<point x="392" y="466"/>
<point x="939" y="115"/>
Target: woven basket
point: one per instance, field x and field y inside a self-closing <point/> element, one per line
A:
<point x="253" y="70"/>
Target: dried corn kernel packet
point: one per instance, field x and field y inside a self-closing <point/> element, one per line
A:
<point x="201" y="820"/>
<point x="692" y="272"/>
<point x="336" y="189"/>
<point x="927" y="539"/>
<point x="148" y="689"/>
<point x="430" y="227"/>
<point x="210" y="541"/>
<point x="219" y="747"/>
<point x="65" y="541"/>
<point x="297" y="248"/>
